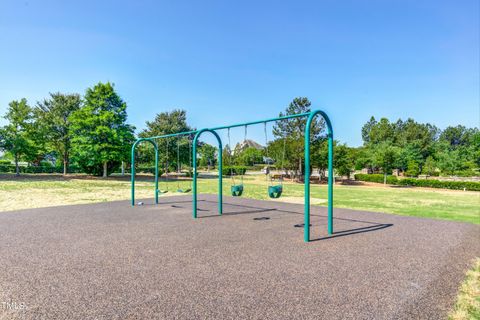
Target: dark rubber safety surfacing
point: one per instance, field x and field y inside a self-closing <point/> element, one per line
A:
<point x="112" y="261"/>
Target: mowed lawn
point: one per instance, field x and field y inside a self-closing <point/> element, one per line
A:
<point x="46" y="190"/>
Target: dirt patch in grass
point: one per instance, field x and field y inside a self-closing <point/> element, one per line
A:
<point x="314" y="201"/>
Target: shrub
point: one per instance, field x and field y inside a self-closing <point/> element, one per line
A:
<point x="38" y="169"/>
<point x="454" y="185"/>
<point x="466" y="173"/>
<point x="5" y="162"/>
<point x="378" y="178"/>
<point x="44" y="163"/>
<point x="236" y="170"/>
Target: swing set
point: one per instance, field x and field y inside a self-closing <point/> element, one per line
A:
<point x="275" y="185"/>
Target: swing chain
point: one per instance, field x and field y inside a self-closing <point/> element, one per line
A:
<point x="267" y="167"/>
<point x="166" y="168"/>
<point x="230" y="157"/>
<point x="283" y="156"/>
<point x="179" y="168"/>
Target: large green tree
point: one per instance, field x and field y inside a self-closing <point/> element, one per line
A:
<point x="101" y="137"/>
<point x="207" y="154"/>
<point x="249" y="156"/>
<point x="385" y="157"/>
<point x="280" y="151"/>
<point x="53" y="121"/>
<point x="17" y="134"/>
<point x="168" y="123"/>
<point x="413" y="141"/>
<point x="294" y="130"/>
<point x="457" y="137"/>
<point x="343" y="161"/>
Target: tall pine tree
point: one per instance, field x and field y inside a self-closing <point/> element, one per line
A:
<point x="294" y="130"/>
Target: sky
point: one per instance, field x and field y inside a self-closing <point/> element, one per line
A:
<point x="233" y="61"/>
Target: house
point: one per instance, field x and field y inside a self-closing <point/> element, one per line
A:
<point x="247" y="143"/>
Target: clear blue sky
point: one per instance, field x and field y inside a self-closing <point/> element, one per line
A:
<point x="229" y="61"/>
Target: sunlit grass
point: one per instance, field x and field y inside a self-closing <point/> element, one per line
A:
<point x="468" y="301"/>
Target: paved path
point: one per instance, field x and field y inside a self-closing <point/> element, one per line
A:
<point x="112" y="261"/>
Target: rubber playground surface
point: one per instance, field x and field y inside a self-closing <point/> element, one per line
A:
<point x="112" y="261"/>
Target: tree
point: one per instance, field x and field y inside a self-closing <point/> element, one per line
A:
<point x="320" y="158"/>
<point x="280" y="152"/>
<point x="474" y="148"/>
<point x="385" y="157"/>
<point x="53" y="118"/>
<point x="342" y="160"/>
<point x="363" y="158"/>
<point x="16" y="135"/>
<point x="367" y="128"/>
<point x="413" y="169"/>
<point x="409" y="154"/>
<point x="168" y="123"/>
<point x="294" y="130"/>
<point x="227" y="156"/>
<point x="101" y="137"/>
<point x="449" y="161"/>
<point x="414" y="141"/>
<point x="456" y="136"/>
<point x="249" y="156"/>
<point x="429" y="167"/>
<point x="380" y="132"/>
<point x="417" y="141"/>
<point x="207" y="154"/>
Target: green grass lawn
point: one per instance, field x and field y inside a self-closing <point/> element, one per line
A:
<point x="43" y="191"/>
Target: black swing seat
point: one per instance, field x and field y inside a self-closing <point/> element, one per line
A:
<point x="184" y="191"/>
<point x="275" y="192"/>
<point x="237" y="190"/>
<point x="160" y="191"/>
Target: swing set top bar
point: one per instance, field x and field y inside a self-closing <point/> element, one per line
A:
<point x="299" y="115"/>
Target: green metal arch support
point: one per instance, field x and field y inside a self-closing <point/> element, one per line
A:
<point x="132" y="173"/>
<point x="306" y="230"/>
<point x="194" y="154"/>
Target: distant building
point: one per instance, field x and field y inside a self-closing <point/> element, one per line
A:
<point x="268" y="160"/>
<point x="245" y="144"/>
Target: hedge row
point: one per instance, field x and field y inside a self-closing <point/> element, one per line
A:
<point x="37" y="169"/>
<point x="235" y="170"/>
<point x="378" y="178"/>
<point x="456" y="185"/>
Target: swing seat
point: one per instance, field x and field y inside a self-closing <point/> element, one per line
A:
<point x="184" y="191"/>
<point x="237" y="190"/>
<point x="160" y="191"/>
<point x="275" y="192"/>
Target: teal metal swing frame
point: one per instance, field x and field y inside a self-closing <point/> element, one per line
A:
<point x="309" y="115"/>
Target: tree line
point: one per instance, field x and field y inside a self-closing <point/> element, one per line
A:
<point x="92" y="133"/>
<point x="418" y="148"/>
